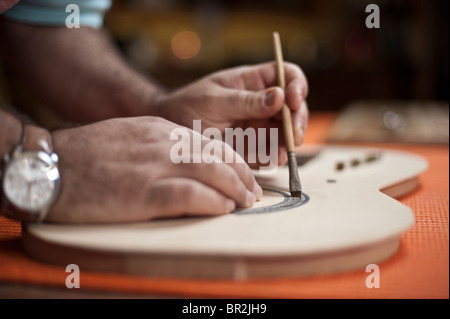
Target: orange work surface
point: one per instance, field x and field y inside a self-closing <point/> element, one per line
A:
<point x="420" y="269"/>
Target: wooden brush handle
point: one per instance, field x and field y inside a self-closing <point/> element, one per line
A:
<point x="285" y="111"/>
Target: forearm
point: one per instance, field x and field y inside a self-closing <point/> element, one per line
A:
<point x="76" y="72"/>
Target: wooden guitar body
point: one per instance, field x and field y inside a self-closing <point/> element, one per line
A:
<point x="346" y="220"/>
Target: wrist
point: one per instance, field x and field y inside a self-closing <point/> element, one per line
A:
<point x="140" y="99"/>
<point x="159" y="102"/>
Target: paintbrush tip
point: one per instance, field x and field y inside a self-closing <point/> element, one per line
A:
<point x="296" y="194"/>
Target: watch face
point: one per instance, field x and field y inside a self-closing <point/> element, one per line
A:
<point x="31" y="181"/>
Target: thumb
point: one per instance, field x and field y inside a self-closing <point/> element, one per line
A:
<point x="255" y="105"/>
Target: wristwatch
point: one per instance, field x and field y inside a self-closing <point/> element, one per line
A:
<point x="30" y="179"/>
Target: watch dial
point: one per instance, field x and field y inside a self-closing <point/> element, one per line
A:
<point x="29" y="183"/>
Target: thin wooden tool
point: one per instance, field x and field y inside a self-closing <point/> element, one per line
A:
<point x="294" y="180"/>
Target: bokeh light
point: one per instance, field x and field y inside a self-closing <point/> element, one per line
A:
<point x="186" y="44"/>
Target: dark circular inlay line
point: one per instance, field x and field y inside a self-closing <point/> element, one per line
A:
<point x="288" y="202"/>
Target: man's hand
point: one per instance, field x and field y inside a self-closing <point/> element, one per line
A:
<point x="120" y="171"/>
<point x="243" y="97"/>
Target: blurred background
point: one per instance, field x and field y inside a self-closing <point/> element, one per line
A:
<point x="388" y="84"/>
<point x="178" y="41"/>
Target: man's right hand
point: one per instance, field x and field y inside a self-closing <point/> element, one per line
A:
<point x="120" y="170"/>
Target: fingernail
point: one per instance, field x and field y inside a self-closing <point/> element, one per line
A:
<point x="257" y="190"/>
<point x="269" y="98"/>
<point x="249" y="199"/>
<point x="229" y="206"/>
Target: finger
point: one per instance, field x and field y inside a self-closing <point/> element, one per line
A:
<point x="294" y="95"/>
<point x="268" y="75"/>
<point x="294" y="74"/>
<point x="247" y="177"/>
<point x="176" y="197"/>
<point x="217" y="151"/>
<point x="299" y="123"/>
<point x="297" y="129"/>
<point x="220" y="177"/>
<point x="296" y="83"/>
<point x="260" y="149"/>
<point x="243" y="170"/>
<point x="282" y="156"/>
<point x="244" y="104"/>
<point x="304" y="115"/>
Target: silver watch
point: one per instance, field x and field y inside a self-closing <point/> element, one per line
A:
<point x="30" y="181"/>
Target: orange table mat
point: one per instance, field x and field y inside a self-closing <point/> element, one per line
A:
<point x="420" y="269"/>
